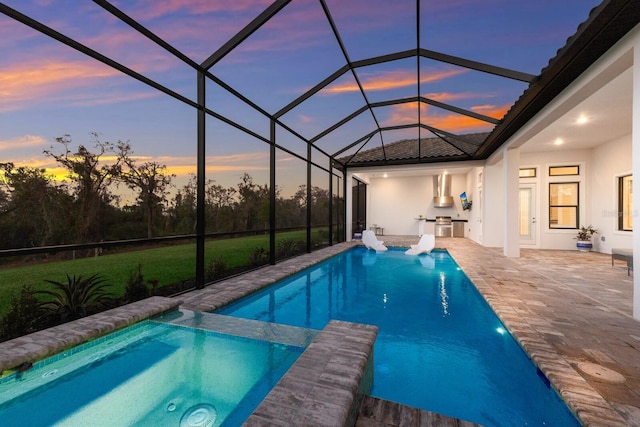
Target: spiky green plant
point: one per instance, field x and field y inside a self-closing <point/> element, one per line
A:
<point x="75" y="298"/>
<point x="288" y="248"/>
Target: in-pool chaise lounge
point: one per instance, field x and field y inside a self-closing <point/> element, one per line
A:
<point x="424" y="246"/>
<point x="371" y="241"/>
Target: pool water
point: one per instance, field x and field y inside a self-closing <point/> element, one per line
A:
<point x="440" y="347"/>
<point x="150" y="374"/>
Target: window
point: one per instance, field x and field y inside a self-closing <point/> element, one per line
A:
<point x="564" y="170"/>
<point x="625" y="203"/>
<point x="528" y="173"/>
<point x="563" y="205"/>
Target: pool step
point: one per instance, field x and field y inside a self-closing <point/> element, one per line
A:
<point x="376" y="412"/>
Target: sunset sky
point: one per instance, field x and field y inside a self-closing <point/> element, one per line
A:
<point x="48" y="90"/>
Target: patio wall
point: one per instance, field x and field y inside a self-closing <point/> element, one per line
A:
<point x="395" y="203"/>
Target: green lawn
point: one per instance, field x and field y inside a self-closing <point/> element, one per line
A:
<point x="167" y="265"/>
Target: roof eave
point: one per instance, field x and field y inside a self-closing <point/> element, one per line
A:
<point x="606" y="25"/>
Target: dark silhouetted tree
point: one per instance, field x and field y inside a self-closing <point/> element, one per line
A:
<point x="91" y="177"/>
<point x="34" y="211"/>
<point x="150" y="180"/>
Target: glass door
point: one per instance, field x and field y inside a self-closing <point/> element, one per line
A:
<point x="527" y="214"/>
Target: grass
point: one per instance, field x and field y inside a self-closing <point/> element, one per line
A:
<point x="167" y="265"/>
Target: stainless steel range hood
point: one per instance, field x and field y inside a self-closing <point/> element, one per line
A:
<point x="442" y="191"/>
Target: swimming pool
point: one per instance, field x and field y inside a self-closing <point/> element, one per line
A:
<point x="440" y="346"/>
<point x="149" y="374"/>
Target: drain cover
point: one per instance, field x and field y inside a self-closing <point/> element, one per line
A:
<point x="202" y="415"/>
<point x="601" y="373"/>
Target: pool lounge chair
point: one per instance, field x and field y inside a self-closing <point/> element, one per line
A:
<point x="424" y="246"/>
<point x="371" y="241"/>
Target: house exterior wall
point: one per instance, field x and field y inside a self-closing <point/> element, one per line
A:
<point x="396" y="203"/>
<point x="549" y="238"/>
<point x="473" y="229"/>
<point x="599" y="168"/>
<point x="493" y="212"/>
<point x="610" y="161"/>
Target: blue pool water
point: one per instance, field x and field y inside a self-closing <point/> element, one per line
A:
<point x="440" y="347"/>
<point x="151" y="374"/>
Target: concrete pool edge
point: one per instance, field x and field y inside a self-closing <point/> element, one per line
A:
<point x="48" y="342"/>
<point x="327" y="383"/>
<point x="221" y="293"/>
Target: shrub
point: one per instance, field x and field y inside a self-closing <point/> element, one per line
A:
<point x="287" y="248"/>
<point x="75" y="298"/>
<point x="216" y="268"/>
<point x="259" y="256"/>
<point x="135" y="289"/>
<point x="23" y="316"/>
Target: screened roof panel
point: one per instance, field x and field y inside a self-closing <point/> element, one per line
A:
<point x="470" y="90"/>
<point x="320" y="159"/>
<point x="398" y="114"/>
<point x="232" y="108"/>
<point x="97" y="29"/>
<point x="196" y="28"/>
<point x="272" y="53"/>
<point x="284" y="58"/>
<point x="49" y="90"/>
<point x="389" y="80"/>
<point x="445" y="120"/>
<point x="374" y="27"/>
<point x="520" y="35"/>
<point x="327" y="107"/>
<point x="348" y="133"/>
<point x="291" y="142"/>
<point x="367" y="145"/>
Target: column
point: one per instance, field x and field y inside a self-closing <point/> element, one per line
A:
<point x="511" y="186"/>
<point x="635" y="154"/>
<point x="348" y="206"/>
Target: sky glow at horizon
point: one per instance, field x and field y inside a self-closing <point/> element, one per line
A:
<point x="48" y="90"/>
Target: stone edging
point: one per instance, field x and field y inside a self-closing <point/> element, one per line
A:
<point x="326" y="384"/>
<point x="42" y="344"/>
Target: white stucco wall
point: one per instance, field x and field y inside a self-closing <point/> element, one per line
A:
<point x="395" y="203"/>
<point x="548" y="238"/>
<point x="610" y="161"/>
<point x="473" y="228"/>
<point x="492" y="209"/>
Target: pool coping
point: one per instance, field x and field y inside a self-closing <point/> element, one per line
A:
<point x="327" y="383"/>
<point x="39" y="345"/>
<point x="226" y="291"/>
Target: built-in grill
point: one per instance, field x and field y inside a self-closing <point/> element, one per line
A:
<point x="443" y="226"/>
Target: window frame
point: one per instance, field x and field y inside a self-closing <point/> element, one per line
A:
<point x="533" y="169"/>
<point x="621" y="202"/>
<point x="551" y="168"/>
<point x="576" y="206"/>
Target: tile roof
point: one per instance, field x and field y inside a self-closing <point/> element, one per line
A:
<point x="434" y="149"/>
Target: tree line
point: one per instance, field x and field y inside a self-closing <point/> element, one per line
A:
<point x="36" y="209"/>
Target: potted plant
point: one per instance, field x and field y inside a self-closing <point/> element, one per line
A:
<point x="584" y="238"/>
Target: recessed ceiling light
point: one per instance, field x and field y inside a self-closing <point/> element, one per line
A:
<point x="582" y="119"/>
<point x="558" y="141"/>
<point x="385" y="175"/>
